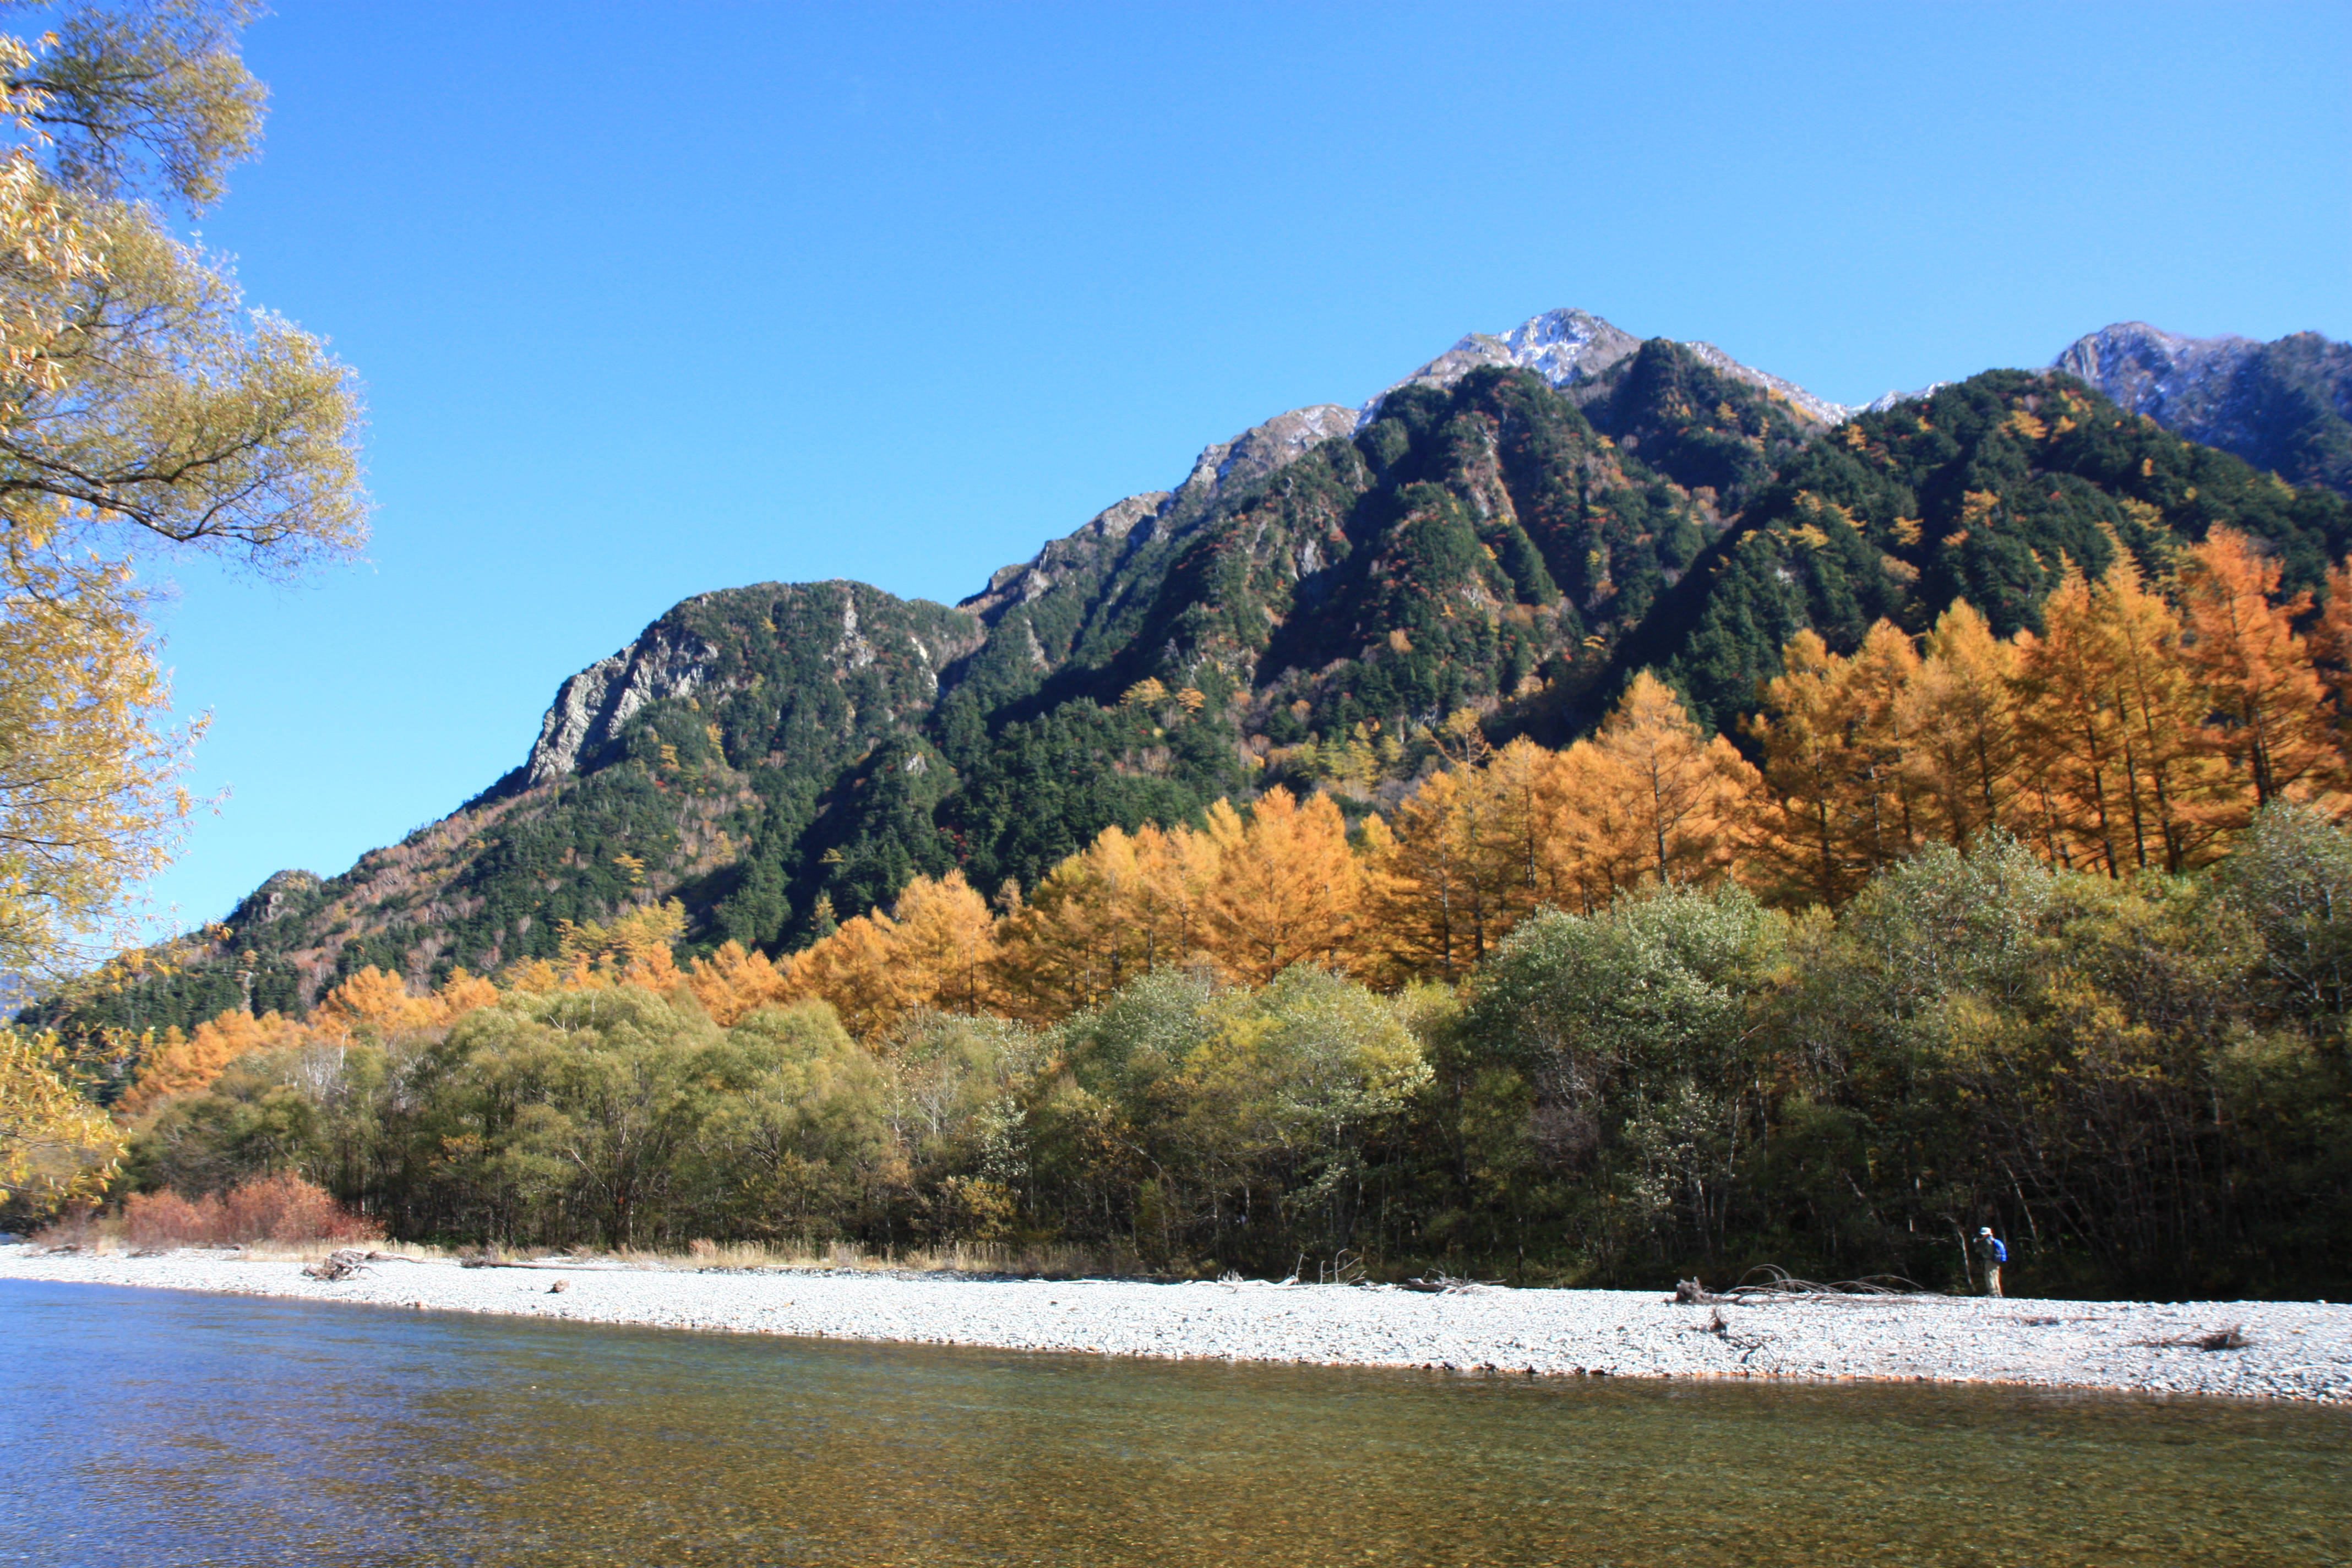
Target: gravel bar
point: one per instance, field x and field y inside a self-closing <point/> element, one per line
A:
<point x="2291" y="1350"/>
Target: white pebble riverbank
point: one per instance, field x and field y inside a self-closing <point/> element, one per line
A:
<point x="2294" y="1350"/>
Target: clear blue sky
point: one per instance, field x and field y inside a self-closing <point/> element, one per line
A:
<point x="657" y="298"/>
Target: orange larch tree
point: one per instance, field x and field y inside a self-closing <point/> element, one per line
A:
<point x="2071" y="730"/>
<point x="1804" y="835"/>
<point x="933" y="949"/>
<point x="2174" y="789"/>
<point x="1288" y="890"/>
<point x="1424" y="911"/>
<point x="1960" y="714"/>
<point x="189" y="1064"/>
<point x="734" y="982"/>
<point x="2268" y="706"/>
<point x="1076" y="939"/>
<point x="1685" y="792"/>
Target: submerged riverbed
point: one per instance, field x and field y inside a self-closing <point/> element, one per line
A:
<point x="164" y="1429"/>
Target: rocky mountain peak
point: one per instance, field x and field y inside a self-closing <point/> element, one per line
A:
<point x="279" y="895"/>
<point x="2285" y="406"/>
<point x="1567" y="347"/>
<point x="1562" y="346"/>
<point x="1024" y="582"/>
<point x="2149" y="370"/>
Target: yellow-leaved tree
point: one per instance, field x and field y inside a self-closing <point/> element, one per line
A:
<point x="54" y="1143"/>
<point x="189" y="1064"/>
<point x="2271" y="724"/>
<point x="142" y="406"/>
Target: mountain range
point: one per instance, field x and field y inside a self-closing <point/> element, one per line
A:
<point x="1513" y="529"/>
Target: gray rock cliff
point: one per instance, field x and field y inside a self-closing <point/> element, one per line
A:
<point x="590" y="708"/>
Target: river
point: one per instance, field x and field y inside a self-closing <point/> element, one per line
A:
<point x="160" y="1428"/>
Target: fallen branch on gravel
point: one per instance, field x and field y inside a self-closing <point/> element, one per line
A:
<point x="1448" y="1285"/>
<point x="491" y="1257"/>
<point x="2232" y="1338"/>
<point x="1778" y="1284"/>
<point x="340" y="1264"/>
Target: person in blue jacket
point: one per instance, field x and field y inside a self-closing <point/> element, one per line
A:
<point x="1994" y="1254"/>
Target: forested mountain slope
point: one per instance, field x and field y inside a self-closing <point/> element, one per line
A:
<point x="1514" y="531"/>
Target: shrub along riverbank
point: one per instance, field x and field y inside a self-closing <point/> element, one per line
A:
<point x="2141" y="1083"/>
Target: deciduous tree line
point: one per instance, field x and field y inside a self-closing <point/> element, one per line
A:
<point x="2047" y="932"/>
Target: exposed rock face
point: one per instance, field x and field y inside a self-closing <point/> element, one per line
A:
<point x="1887" y="400"/>
<point x="1565" y="347"/>
<point x="1819" y="409"/>
<point x="2161" y="375"/>
<point x="1261" y="449"/>
<point x="1023" y="583"/>
<point x="1562" y="507"/>
<point x="1256" y="452"/>
<point x="2285" y="406"/>
<point x="590" y="708"/>
<point x="276" y="897"/>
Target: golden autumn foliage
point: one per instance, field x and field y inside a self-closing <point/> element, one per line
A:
<point x="51" y="1137"/>
<point x="1681" y="792"/>
<point x="2139" y="729"/>
<point x="142" y="406"/>
<point x="1960" y="712"/>
<point x="1286" y="890"/>
<point x="188" y="1064"/>
<point x="371" y="1004"/>
<point x="2110" y="716"/>
<point x="930" y="951"/>
<point x="2258" y="675"/>
<point x="733" y="983"/>
<point x="1648" y="800"/>
<point x="1431" y="909"/>
<point x="1126" y="905"/>
<point x="379" y="1003"/>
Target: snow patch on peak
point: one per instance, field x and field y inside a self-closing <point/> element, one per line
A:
<point x="1890" y="398"/>
<point x="1567" y="346"/>
<point x="1562" y="346"/>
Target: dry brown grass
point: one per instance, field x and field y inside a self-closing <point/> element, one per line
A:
<point x="1048" y="1262"/>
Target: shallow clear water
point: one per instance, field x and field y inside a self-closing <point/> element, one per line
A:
<point x="151" y="1427"/>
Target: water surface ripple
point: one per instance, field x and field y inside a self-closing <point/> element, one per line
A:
<point x="160" y="1428"/>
